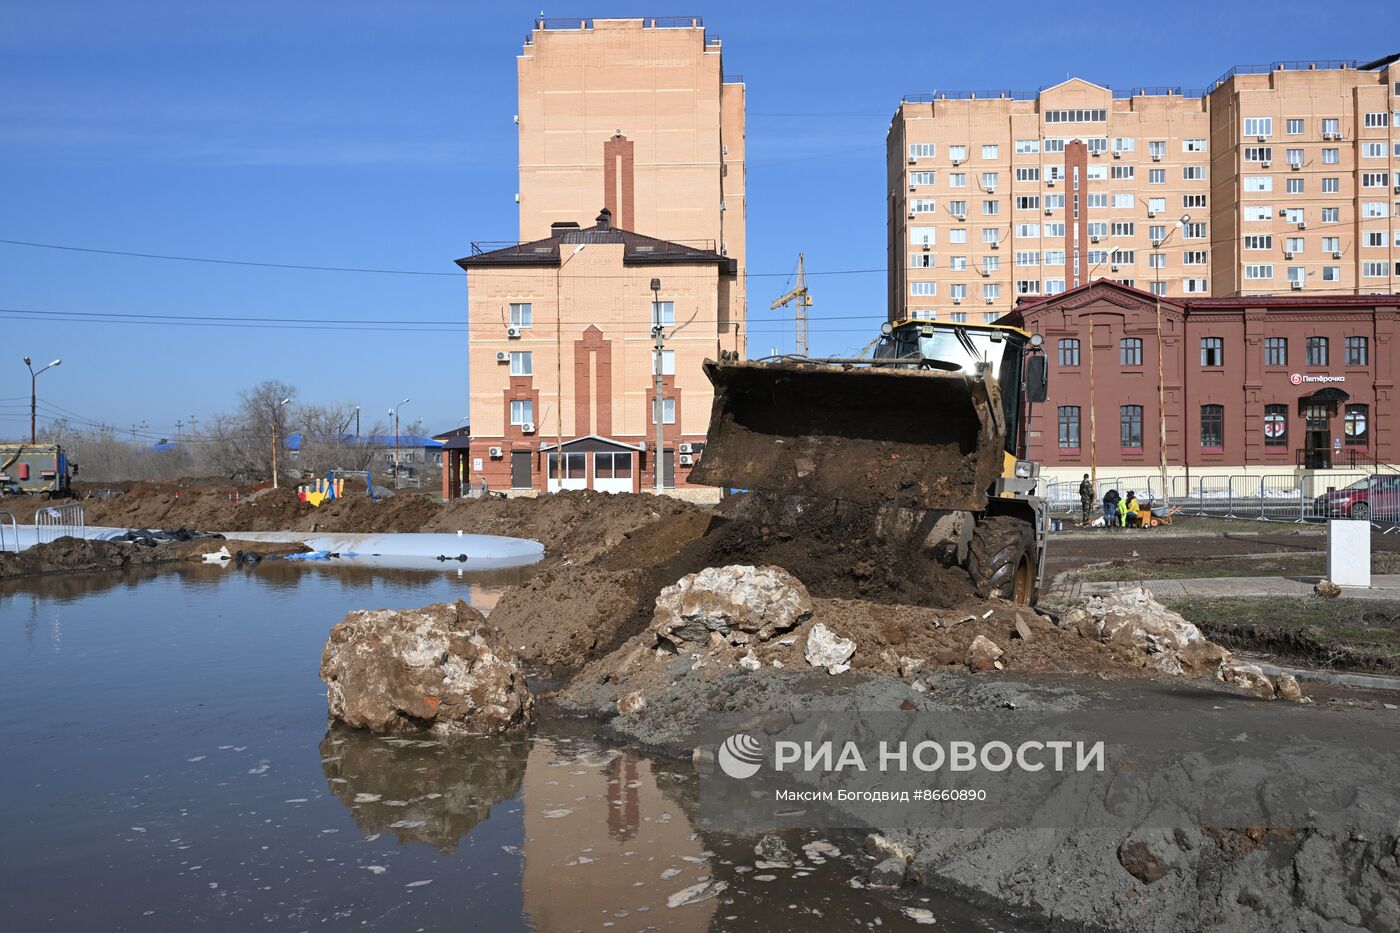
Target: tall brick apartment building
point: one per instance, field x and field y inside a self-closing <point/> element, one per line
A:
<point x="1276" y="179"/>
<point x="637" y="118"/>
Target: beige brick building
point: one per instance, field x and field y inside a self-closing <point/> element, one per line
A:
<point x="999" y="195"/>
<point x="634" y="117"/>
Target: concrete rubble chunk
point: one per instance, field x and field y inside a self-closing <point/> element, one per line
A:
<point x="826" y="649"/>
<point x="984" y="654"/>
<point x="1249" y="678"/>
<point x="441" y="667"/>
<point x="1326" y="589"/>
<point x="696" y="893"/>
<point x="632" y="703"/>
<point x="1133" y="621"/>
<point x="1286" y="687"/>
<point x="887" y="874"/>
<point x="734" y="604"/>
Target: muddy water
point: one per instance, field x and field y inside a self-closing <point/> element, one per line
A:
<point x="168" y="766"/>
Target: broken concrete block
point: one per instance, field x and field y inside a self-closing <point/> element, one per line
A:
<point x="735" y="603"/>
<point x="827" y="649"/>
<point x="441" y="667"/>
<point x="632" y="703"/>
<point x="1286" y="687"/>
<point x="1326" y="589"/>
<point x="983" y="654"/>
<point x="887" y="874"/>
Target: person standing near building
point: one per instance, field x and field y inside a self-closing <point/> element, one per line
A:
<point x="1110" y="509"/>
<point x="1086" y="498"/>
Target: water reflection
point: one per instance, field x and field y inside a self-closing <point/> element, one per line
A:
<point x="421" y="788"/>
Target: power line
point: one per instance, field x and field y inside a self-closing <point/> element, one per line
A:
<point x="353" y="269"/>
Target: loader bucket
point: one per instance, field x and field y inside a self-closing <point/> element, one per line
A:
<point x="909" y="438"/>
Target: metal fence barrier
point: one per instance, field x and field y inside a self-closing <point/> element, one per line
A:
<point x="56" y="521"/>
<point x="1373" y="497"/>
<point x="13" y="535"/>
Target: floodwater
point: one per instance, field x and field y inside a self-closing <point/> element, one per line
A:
<point x="168" y="766"/>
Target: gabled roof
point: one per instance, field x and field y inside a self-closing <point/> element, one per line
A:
<point x="594" y="437"/>
<point x="637" y="249"/>
<point x="1097" y="87"/>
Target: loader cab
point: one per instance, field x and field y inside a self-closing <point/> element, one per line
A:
<point x="961" y="348"/>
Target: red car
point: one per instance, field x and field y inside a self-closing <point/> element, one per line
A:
<point x="1375" y="498"/>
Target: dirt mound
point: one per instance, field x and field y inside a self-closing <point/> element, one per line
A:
<point x="834" y="551"/>
<point x="359" y="513"/>
<point x="77" y="555"/>
<point x="564" y="617"/>
<point x="581" y="525"/>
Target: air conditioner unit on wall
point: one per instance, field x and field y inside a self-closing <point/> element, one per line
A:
<point x="994" y="245"/>
<point x="957" y="301"/>
<point x="1156" y="157"/>
<point x="1117" y="154"/>
<point x="1337" y="254"/>
<point x="912" y="215"/>
<point x="685" y="448"/>
<point x="494" y="452"/>
<point x="1050" y="182"/>
<point x="1265" y="164"/>
<point x="1096" y="152"/>
<point x="527" y="428"/>
<point x="927" y="246"/>
<point x="1049" y="211"/>
<point x="513" y="333"/>
<point x="686" y="459"/>
<point x="990" y="300"/>
<point x="1287" y="254"/>
<point x="1261" y="138"/>
<point x="913" y="161"/>
<point x="1094" y="239"/>
<point x="1297" y="284"/>
<point x="502" y="356"/>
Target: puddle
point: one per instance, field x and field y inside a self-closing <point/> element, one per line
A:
<point x="169" y="758"/>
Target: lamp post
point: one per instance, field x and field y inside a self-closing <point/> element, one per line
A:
<point x="559" y="372"/>
<point x="357" y="424"/>
<point x="1161" y="368"/>
<point x="276" y="424"/>
<point x="658" y="408"/>
<point x="34" y="395"/>
<point x="395" y="413"/>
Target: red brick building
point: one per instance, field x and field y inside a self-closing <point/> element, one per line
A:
<point x="1257" y="384"/>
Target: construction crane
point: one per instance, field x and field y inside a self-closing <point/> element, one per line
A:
<point x="802" y="300"/>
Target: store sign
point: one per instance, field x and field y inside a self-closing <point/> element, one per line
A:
<point x="1298" y="379"/>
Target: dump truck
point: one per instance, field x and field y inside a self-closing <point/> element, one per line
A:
<point x="927" y="435"/>
<point x="28" y="469"/>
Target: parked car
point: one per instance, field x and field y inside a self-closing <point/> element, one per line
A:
<point x="1373" y="498"/>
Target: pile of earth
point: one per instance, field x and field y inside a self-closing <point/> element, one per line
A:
<point x="80" y="555"/>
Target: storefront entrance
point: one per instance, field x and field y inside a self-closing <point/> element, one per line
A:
<point x="593" y="462"/>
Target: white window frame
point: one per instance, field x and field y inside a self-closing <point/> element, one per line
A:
<point x="522" y="363"/>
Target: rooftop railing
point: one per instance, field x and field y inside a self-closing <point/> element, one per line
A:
<point x="1335" y="64"/>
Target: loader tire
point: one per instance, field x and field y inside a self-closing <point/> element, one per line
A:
<point x="1001" y="559"/>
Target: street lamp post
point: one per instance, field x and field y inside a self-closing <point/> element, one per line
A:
<point x="395" y="412"/>
<point x="34" y="395"/>
<point x="658" y="408"/>
<point x="357" y="424"/>
<point x="276" y="424"/>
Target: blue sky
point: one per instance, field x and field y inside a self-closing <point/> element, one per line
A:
<point x="380" y="135"/>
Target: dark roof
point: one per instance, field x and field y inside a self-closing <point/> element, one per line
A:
<point x="1379" y="63"/>
<point x="464" y="430"/>
<point x="638" y="249"/>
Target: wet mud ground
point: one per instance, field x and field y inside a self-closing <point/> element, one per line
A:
<point x="171" y="768"/>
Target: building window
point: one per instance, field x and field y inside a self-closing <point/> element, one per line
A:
<point x="957" y="291"/>
<point x="1069" y="351"/>
<point x="612" y="465"/>
<point x="1373" y="150"/>
<point x="923" y="236"/>
<point x="923" y="178"/>
<point x="958" y="317"/>
<point x="1193" y="173"/>
<point x="1194" y="231"/>
<point x="522" y="363"/>
<point x="522" y="411"/>
<point x="990" y="208"/>
<point x="1194" y="257"/>
<point x="1357" y="351"/>
<point x="1212" y="427"/>
<point x="1028" y="174"/>
<point x="1331" y="156"/>
<point x="1259" y="271"/>
<point x="1295" y="186"/>
<point x="522" y="314"/>
<point x="1193" y="145"/>
<point x="1331" y="185"/>
<point x="575" y="465"/>
<point x="922" y="260"/>
<point x="1258" y="126"/>
<point x="923" y="206"/>
<point x="1130" y="426"/>
<point x="1027" y="146"/>
<point x="923" y="289"/>
<point x="1275" y="425"/>
<point x="1331" y="215"/>
<point x="991" y="152"/>
<point x="1212" y="351"/>
<point x="957" y="179"/>
<point x="668" y="411"/>
<point x="1374" y="270"/>
<point x="1372" y="120"/>
<point x="1130" y="351"/>
<point x="668" y="362"/>
<point x="991" y="292"/>
<point x="1355" y="424"/>
<point x="1069" y="427"/>
<point x="922" y="150"/>
<point x="1156" y="176"/>
<point x="1275" y="351"/>
<point x="1317" y="351"/>
<point x="1331" y="126"/>
<point x="1294" y="127"/>
<point x="663" y="313"/>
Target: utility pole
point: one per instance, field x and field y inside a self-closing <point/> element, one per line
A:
<point x="179" y="425"/>
<point x="276" y="424"/>
<point x="802" y="301"/>
<point x="559" y="369"/>
<point x="395" y="413"/>
<point x="658" y="409"/>
<point x="193" y="421"/>
<point x="34" y="396"/>
<point x="357" y="424"/>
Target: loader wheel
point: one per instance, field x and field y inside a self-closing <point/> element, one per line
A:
<point x="1002" y="559"/>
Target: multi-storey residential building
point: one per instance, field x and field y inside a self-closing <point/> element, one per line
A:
<point x="1000" y="195"/>
<point x="636" y="117"/>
